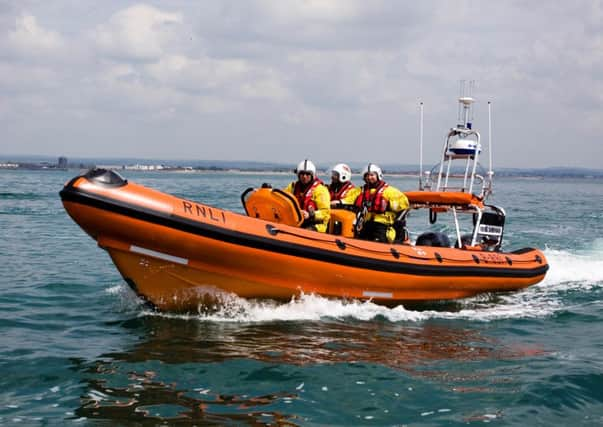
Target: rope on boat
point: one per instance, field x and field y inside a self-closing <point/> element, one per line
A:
<point x="272" y="230"/>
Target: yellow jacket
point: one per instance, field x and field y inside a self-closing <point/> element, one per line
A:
<point x="322" y="200"/>
<point x="397" y="202"/>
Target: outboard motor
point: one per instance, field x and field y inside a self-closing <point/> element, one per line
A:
<point x="436" y="239"/>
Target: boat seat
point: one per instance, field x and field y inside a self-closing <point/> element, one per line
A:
<point x="272" y="204"/>
<point x="490" y="230"/>
<point x="342" y="222"/>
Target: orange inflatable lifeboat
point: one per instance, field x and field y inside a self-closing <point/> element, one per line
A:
<point x="180" y="255"/>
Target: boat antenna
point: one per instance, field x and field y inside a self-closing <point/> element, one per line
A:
<point x="461" y="95"/>
<point x="490" y="172"/>
<point x="465" y="109"/>
<point x="421" y="146"/>
<point x="490" y="134"/>
<point x="471" y="92"/>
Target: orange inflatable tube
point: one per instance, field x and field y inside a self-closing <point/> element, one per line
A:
<point x="181" y="255"/>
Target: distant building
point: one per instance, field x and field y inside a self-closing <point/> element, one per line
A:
<point x="9" y="165"/>
<point x="62" y="164"/>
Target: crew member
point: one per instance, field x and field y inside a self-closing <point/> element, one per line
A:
<point x="380" y="208"/>
<point x="341" y="183"/>
<point x="313" y="197"/>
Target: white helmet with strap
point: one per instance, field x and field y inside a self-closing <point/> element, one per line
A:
<point x="305" y="166"/>
<point x="343" y="171"/>
<point x="372" y="168"/>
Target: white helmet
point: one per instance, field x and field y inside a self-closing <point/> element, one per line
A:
<point x="305" y="166"/>
<point x="373" y="168"/>
<point x="343" y="171"/>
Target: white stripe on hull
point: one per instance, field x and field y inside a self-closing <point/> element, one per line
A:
<point x="372" y="294"/>
<point x="160" y="255"/>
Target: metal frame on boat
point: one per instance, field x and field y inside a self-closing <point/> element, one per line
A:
<point x="456" y="177"/>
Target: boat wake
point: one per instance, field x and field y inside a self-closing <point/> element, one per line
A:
<point x="569" y="273"/>
<point x="581" y="270"/>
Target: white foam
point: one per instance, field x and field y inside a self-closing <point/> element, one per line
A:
<point x="312" y="308"/>
<point x="116" y="290"/>
<point x="127" y="299"/>
<point x="307" y="307"/>
<point x="597" y="245"/>
<point x="580" y="271"/>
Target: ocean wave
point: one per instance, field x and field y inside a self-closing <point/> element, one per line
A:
<point x="21" y="196"/>
<point x="582" y="270"/>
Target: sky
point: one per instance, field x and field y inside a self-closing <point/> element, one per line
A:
<point x="284" y="80"/>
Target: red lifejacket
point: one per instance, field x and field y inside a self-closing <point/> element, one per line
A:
<point x="340" y="194"/>
<point x="304" y="197"/>
<point x="375" y="202"/>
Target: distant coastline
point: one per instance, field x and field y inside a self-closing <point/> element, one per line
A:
<point x="251" y="167"/>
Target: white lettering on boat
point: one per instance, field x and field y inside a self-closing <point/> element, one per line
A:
<point x="373" y="294"/>
<point x="492" y="258"/>
<point x="160" y="255"/>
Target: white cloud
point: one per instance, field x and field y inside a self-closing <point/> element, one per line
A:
<point x="277" y="26"/>
<point x="304" y="72"/>
<point x="347" y="79"/>
<point x="19" y="79"/>
<point x="197" y="74"/>
<point x="268" y="88"/>
<point x="139" y="32"/>
<point x="333" y="11"/>
<point x="30" y="39"/>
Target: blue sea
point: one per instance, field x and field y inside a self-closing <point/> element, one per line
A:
<point x="78" y="348"/>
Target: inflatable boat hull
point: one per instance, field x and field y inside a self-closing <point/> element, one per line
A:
<point x="180" y="255"/>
